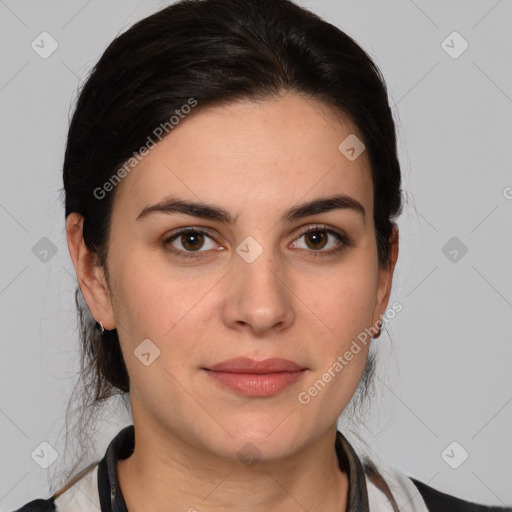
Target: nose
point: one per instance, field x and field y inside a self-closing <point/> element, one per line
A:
<point x="259" y="297"/>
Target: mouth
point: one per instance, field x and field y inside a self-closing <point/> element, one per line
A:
<point x="256" y="378"/>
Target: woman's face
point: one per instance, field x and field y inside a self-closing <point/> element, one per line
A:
<point x="255" y="287"/>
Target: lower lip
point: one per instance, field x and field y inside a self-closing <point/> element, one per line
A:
<point x="257" y="384"/>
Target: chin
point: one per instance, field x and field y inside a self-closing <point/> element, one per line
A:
<point x="259" y="441"/>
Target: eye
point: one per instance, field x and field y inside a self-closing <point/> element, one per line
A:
<point x="317" y="238"/>
<point x="190" y="240"/>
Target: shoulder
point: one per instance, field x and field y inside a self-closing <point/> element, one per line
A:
<point x="39" y="505"/>
<point x="440" y="501"/>
<point x="412" y="495"/>
<point x="79" y="496"/>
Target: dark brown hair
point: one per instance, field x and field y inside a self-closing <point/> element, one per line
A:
<point x="214" y="51"/>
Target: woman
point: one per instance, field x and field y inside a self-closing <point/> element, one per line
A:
<point x="231" y="181"/>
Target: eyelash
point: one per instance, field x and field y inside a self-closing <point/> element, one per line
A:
<point x="345" y="241"/>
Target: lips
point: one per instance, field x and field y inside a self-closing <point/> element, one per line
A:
<point x="246" y="365"/>
<point x="256" y="378"/>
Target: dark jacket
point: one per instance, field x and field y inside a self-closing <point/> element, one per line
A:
<point x="364" y="485"/>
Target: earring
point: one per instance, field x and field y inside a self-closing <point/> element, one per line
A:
<point x="99" y="326"/>
<point x="380" y="329"/>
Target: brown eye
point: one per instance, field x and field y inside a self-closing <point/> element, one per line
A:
<point x="316" y="239"/>
<point x="189" y="241"/>
<point x="192" y="241"/>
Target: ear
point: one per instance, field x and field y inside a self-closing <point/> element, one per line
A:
<point x="91" y="276"/>
<point x="386" y="278"/>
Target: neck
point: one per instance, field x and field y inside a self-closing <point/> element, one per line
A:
<point x="164" y="474"/>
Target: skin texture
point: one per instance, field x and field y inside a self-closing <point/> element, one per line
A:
<point x="256" y="160"/>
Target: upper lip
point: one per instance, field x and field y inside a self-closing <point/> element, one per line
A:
<point x="247" y="365"/>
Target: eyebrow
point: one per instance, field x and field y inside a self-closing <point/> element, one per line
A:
<point x="173" y="205"/>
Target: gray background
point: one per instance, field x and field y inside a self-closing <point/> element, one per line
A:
<point x="445" y="359"/>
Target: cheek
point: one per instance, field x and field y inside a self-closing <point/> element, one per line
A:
<point x="137" y="301"/>
<point x="167" y="309"/>
<point x="342" y="304"/>
<point x="341" y="308"/>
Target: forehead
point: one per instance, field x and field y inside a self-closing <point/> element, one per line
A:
<point x="252" y="158"/>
